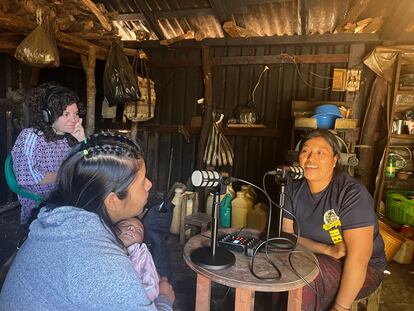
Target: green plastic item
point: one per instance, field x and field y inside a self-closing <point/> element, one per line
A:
<point x="225" y="211"/>
<point x="400" y="208"/>
<point x="14" y="186"/>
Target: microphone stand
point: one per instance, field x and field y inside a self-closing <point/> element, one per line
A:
<point x="214" y="257"/>
<point x="282" y="240"/>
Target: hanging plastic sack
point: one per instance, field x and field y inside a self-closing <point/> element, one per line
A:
<point x="142" y="109"/>
<point x="120" y="83"/>
<point x="39" y="48"/>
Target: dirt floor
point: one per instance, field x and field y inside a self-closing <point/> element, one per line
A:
<point x="397" y="289"/>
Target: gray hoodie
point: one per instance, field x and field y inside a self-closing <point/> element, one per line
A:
<point x="71" y="261"/>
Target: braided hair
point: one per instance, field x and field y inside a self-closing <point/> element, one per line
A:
<point x="102" y="164"/>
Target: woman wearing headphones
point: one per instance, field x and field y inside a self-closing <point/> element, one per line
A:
<point x="337" y="221"/>
<point x="39" y="150"/>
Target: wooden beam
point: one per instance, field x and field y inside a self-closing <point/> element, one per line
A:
<point x="7" y="46"/>
<point x="395" y="24"/>
<point x="343" y="38"/>
<point x="106" y="24"/>
<point x="356" y="55"/>
<point x="89" y="64"/>
<point x="221" y="11"/>
<point x="24" y="26"/>
<point x="184" y="13"/>
<point x="127" y="17"/>
<point x="189" y="62"/>
<point x="278" y="59"/>
<point x="303" y="17"/>
<point x="151" y="19"/>
<point x="208" y="105"/>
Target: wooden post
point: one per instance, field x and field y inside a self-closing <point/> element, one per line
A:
<point x="244" y="300"/>
<point x="203" y="293"/>
<point x="208" y="104"/>
<point x="356" y="54"/>
<point x="88" y="64"/>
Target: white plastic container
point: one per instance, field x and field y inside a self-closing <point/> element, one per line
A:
<point x="176" y="219"/>
<point x="405" y="253"/>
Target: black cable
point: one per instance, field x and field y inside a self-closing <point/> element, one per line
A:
<point x="294" y="248"/>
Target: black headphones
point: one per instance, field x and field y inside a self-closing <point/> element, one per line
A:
<point x="47" y="113"/>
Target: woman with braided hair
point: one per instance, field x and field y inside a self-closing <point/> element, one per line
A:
<point x="73" y="259"/>
<point x="39" y="150"/>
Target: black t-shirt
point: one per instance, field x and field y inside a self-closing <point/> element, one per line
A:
<point x="344" y="204"/>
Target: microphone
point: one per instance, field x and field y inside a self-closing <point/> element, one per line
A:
<point x="210" y="179"/>
<point x="284" y="171"/>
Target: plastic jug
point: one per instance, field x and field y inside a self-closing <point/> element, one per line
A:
<point x="257" y="217"/>
<point x="176" y="219"/>
<point x="250" y="193"/>
<point x="225" y="211"/>
<point x="240" y="206"/>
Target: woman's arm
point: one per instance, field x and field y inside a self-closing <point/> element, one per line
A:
<point x="336" y="251"/>
<point x="359" y="245"/>
<point x="50" y="178"/>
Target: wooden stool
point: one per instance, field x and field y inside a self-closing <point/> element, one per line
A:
<point x="370" y="303"/>
<point x="193" y="219"/>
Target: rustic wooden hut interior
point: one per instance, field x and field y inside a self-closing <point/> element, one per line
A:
<point x="273" y="60"/>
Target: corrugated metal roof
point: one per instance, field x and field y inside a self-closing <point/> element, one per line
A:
<point x="271" y="18"/>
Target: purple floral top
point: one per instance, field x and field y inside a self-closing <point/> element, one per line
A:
<point x="33" y="157"/>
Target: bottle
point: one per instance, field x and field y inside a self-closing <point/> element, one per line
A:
<point x="390" y="169"/>
<point x="225" y="211"/>
<point x="250" y="193"/>
<point x="176" y="219"/>
<point x="209" y="203"/>
<point x="257" y="218"/>
<point x="240" y="206"/>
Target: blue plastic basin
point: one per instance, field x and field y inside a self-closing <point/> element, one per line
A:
<point x="325" y="109"/>
<point x="326" y="120"/>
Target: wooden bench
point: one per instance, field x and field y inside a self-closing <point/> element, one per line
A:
<point x="370" y="303"/>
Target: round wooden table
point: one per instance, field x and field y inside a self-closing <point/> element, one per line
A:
<point x="239" y="276"/>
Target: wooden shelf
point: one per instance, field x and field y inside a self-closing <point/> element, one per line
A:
<point x="405" y="92"/>
<point x="193" y="130"/>
<point x="395" y="183"/>
<point x="403" y="136"/>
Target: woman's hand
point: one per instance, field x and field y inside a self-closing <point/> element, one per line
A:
<point x="166" y="289"/>
<point x="336" y="251"/>
<point x="79" y="132"/>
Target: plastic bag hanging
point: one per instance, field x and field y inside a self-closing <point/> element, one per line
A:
<point x="39" y="47"/>
<point x="218" y="150"/>
<point x="120" y="83"/>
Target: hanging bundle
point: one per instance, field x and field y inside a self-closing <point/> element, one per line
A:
<point x="39" y="47"/>
<point x="120" y="84"/>
<point x="218" y="150"/>
<point x="142" y="109"/>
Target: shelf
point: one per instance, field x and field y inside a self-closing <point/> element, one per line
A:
<point x="405" y="92"/>
<point x="403" y="136"/>
<point x="395" y="183"/>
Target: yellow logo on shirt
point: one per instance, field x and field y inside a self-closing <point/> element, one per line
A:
<point x="332" y="221"/>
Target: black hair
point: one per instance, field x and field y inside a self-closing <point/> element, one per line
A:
<point x="105" y="163"/>
<point x="330" y="138"/>
<point x="54" y="98"/>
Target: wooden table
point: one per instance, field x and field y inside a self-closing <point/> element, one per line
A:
<point x="239" y="276"/>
